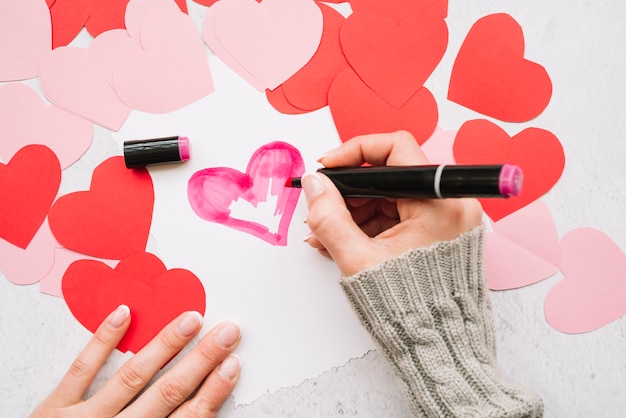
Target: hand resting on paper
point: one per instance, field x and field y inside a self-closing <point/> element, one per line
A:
<point x="412" y="269"/>
<point x="210" y="368"/>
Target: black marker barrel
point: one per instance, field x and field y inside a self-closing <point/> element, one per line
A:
<point x="138" y="153"/>
<point x="429" y="181"/>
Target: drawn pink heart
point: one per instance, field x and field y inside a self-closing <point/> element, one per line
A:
<point x="25" y="37"/>
<point x="592" y="293"/>
<point x="167" y="69"/>
<point x="75" y="80"/>
<point x="522" y="249"/>
<point x="28" y="120"/>
<point x="272" y="39"/>
<point x="212" y="191"/>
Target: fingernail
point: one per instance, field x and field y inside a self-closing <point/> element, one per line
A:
<point x="312" y="185"/>
<point x="230" y="367"/>
<point x="118" y="316"/>
<point x="228" y="334"/>
<point x="308" y="237"/>
<point x="326" y="154"/>
<point x="189" y="324"/>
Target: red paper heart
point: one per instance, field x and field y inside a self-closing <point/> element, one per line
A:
<point x="111" y="220"/>
<point x="357" y="110"/>
<point x="69" y="17"/>
<point x="154" y="295"/>
<point x="393" y="59"/>
<point x="279" y="101"/>
<point x="491" y="76"/>
<point x="591" y="294"/>
<point x="308" y="88"/>
<point x="28" y="185"/>
<point x="211" y="191"/>
<point x="399" y="9"/>
<point x="536" y="151"/>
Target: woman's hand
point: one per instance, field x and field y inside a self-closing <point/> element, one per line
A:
<point x="360" y="233"/>
<point x="209" y="367"/>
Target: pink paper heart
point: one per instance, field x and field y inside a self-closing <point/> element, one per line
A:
<point x="592" y="293"/>
<point x="438" y="148"/>
<point x="51" y="283"/>
<point x="212" y="191"/>
<point x="28" y="120"/>
<point x="25" y="37"/>
<point x="522" y="249"/>
<point x="168" y="68"/>
<point x="17" y="263"/>
<point x="75" y="80"/>
<point x="210" y="38"/>
<point x="272" y="40"/>
<point x="137" y="10"/>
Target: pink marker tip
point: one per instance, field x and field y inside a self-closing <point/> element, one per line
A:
<point x="183" y="148"/>
<point x="511" y="179"/>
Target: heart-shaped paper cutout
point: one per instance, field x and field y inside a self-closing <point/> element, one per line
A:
<point x="69" y="17"/>
<point x="280" y="36"/>
<point x="522" y="249"/>
<point x="279" y="101"/>
<point x="138" y="10"/>
<point x="212" y="191"/>
<point x="17" y="263"/>
<point x="154" y="295"/>
<point x="25" y="37"/>
<point x="50" y="283"/>
<point x="168" y="68"/>
<point x="357" y="110"/>
<point x="211" y="2"/>
<point x="591" y="294"/>
<point x="75" y="80"/>
<point x="393" y="59"/>
<point x="29" y="182"/>
<point x="210" y="38"/>
<point x="112" y="219"/>
<point x="28" y="120"/>
<point x="438" y="148"/>
<point x="308" y="88"/>
<point x="397" y="10"/>
<point x="491" y="76"/>
<point x="537" y="152"/>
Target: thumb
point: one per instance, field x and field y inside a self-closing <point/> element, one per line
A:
<point x="332" y="224"/>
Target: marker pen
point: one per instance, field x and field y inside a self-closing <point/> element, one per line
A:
<point x="139" y="153"/>
<point x="427" y="181"/>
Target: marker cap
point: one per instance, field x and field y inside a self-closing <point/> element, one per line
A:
<point x="138" y="153"/>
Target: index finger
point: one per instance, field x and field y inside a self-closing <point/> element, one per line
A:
<point x="397" y="148"/>
<point x="91" y="359"/>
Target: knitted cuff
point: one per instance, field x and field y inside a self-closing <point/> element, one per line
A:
<point x="429" y="312"/>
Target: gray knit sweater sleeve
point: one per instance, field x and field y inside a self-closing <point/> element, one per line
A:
<point x="429" y="312"/>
